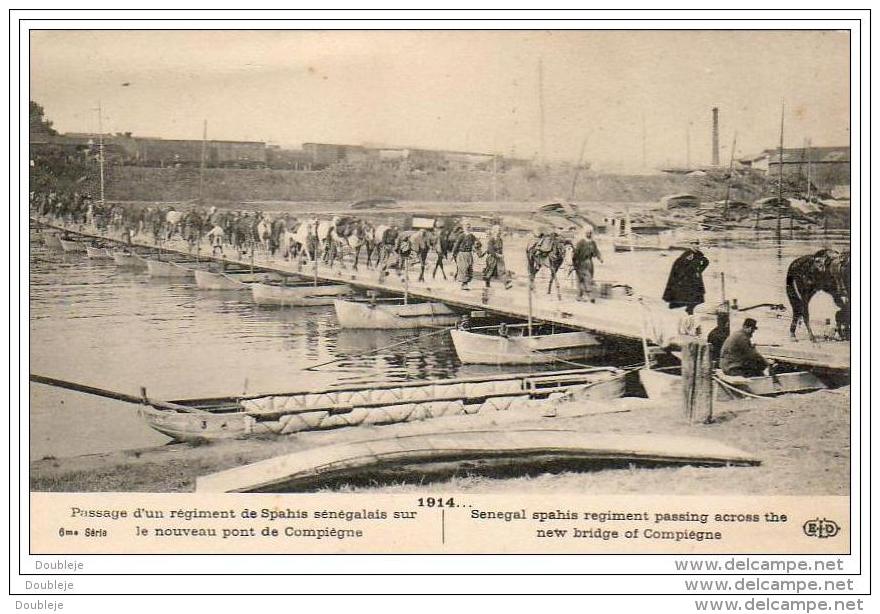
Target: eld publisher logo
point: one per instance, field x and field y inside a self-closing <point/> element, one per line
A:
<point x="821" y="527"/>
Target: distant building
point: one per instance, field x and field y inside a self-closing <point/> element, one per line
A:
<point x="828" y="167"/>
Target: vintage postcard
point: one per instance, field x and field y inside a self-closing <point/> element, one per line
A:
<point x="418" y="291"/>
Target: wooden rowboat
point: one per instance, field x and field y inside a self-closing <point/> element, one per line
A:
<point x="72" y="246"/>
<point x="303" y="295"/>
<point x="478" y="348"/>
<point x="98" y="253"/>
<point x="351" y="314"/>
<point x="164" y="268"/>
<point x="667" y="386"/>
<point x="731" y="386"/>
<point x="129" y="260"/>
<point x="206" y="280"/>
<point x="52" y="241"/>
<point x="382" y="403"/>
<point x="445" y="454"/>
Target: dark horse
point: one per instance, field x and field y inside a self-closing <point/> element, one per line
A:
<point x="826" y="270"/>
<point x="547" y="251"/>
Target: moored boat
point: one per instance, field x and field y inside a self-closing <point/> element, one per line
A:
<point x="667" y="386"/>
<point x="98" y="253"/>
<point x="736" y="387"/>
<point x="351" y="314"/>
<point x="477" y="348"/>
<point x="302" y="295"/>
<point x="206" y="280"/>
<point x="69" y="245"/>
<point x="129" y="260"/>
<point x="382" y="403"/>
<point x="52" y="241"/>
<point x="164" y="268"/>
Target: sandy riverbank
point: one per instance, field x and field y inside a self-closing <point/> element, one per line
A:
<point x="802" y="440"/>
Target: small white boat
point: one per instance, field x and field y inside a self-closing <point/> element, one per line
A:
<point x="129" y="260"/>
<point x="305" y="295"/>
<point x="523" y="350"/>
<point x="164" y="268"/>
<point x="729" y="386"/>
<point x="206" y="280"/>
<point x="667" y="386"/>
<point x="98" y="253"/>
<point x="72" y="246"/>
<point x="52" y="241"/>
<point x="414" y="315"/>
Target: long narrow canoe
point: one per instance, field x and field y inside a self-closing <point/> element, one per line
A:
<point x="478" y="348"/>
<point x="418" y="315"/>
<point x="52" y="241"/>
<point x="299" y="295"/>
<point x="377" y="403"/>
<point x="164" y="268"/>
<point x="72" y="246"/>
<point x="129" y="260"/>
<point x="98" y="253"/>
<point x="444" y="454"/>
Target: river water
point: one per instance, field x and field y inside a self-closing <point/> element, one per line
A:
<point x="96" y="324"/>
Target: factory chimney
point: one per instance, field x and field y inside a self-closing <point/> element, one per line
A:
<point x="716" y="160"/>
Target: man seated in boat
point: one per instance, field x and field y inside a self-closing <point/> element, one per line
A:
<point x="739" y="356"/>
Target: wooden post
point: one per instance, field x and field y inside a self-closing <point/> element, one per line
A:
<point x="405" y="264"/>
<point x="316" y="263"/>
<point x="696" y="376"/>
<point x="531" y="289"/>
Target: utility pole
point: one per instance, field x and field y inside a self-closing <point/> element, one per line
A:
<point x="202" y="163"/>
<point x="541" y="107"/>
<point x="101" y="150"/>
<point x="729" y="179"/>
<point x="781" y="147"/>
<point x="644" y="143"/>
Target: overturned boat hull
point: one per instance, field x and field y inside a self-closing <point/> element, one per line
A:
<point x="361" y="315"/>
<point x="484" y="452"/>
<point x="297" y="296"/>
<point x="476" y="348"/>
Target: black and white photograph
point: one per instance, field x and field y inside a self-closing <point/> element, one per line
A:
<point x="405" y="262"/>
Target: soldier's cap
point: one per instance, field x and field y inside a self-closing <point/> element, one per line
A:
<point x="751" y="323"/>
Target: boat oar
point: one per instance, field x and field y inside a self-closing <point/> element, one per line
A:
<point x="110" y="394"/>
<point x="383" y="348"/>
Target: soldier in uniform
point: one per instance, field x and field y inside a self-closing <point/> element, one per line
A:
<point x="495" y="259"/>
<point x="463" y="254"/>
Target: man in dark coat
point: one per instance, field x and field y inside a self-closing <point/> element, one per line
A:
<point x="685" y="285"/>
<point x="739" y="356"/>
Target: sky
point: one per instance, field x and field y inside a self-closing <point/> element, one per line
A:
<point x="620" y="96"/>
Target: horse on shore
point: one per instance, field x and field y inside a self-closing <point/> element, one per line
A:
<point x="547" y="251"/>
<point x="827" y="270"/>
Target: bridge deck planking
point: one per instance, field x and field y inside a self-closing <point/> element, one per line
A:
<point x="619" y="317"/>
